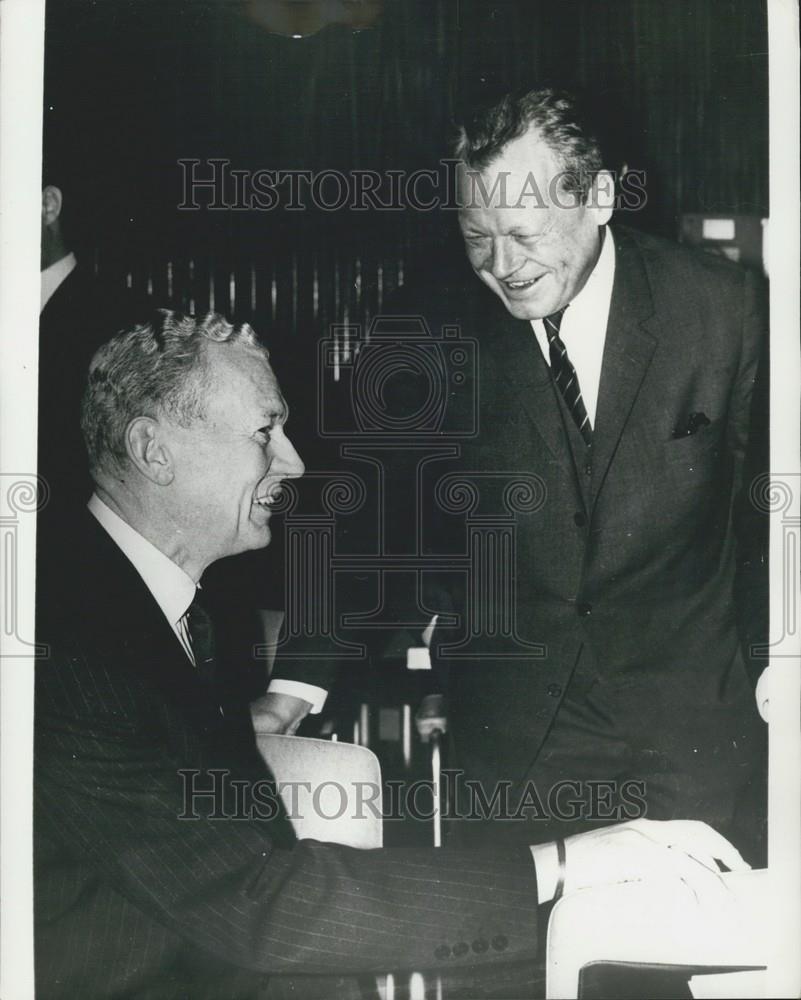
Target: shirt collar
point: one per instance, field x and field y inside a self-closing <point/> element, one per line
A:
<point x="53" y="276"/>
<point x="596" y="295"/>
<point x="173" y="589"/>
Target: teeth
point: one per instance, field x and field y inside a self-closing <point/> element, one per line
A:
<point x="269" y="498"/>
<point x="520" y="284"/>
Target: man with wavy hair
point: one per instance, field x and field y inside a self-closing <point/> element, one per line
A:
<point x="619" y="369"/>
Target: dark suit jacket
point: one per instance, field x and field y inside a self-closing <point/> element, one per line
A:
<point x="134" y="901"/>
<point x="628" y="556"/>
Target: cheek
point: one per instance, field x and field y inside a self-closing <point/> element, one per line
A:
<point x="577" y="245"/>
<point x="562" y="259"/>
<point x="477" y="259"/>
<point x="565" y="265"/>
<point x="249" y="472"/>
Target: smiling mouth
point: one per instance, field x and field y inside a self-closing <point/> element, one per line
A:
<point x="269" y="499"/>
<point x="522" y="286"/>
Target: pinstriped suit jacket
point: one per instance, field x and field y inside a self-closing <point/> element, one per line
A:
<point x="134" y="901"/>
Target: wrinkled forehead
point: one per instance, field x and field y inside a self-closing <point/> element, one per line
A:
<point x="520" y="176"/>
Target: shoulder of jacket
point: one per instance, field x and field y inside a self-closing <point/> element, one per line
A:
<point x="679" y="261"/>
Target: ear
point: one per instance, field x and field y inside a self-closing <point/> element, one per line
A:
<point x="148" y="451"/>
<point x="601" y="197"/>
<point x="52" y="201"/>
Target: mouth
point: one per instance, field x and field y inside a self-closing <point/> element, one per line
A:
<point x="522" y="286"/>
<point x="268" y="499"/>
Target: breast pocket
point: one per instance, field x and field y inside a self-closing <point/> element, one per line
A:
<point x="696" y="457"/>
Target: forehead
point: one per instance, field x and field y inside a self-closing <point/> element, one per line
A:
<point x="518" y="179"/>
<point x="243" y="385"/>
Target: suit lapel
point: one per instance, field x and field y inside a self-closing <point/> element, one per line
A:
<point x="628" y="351"/>
<point x="130" y="616"/>
<point x="528" y="382"/>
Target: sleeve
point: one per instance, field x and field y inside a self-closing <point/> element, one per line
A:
<point x="750" y="445"/>
<point x="313" y="671"/>
<point x="316" y="696"/>
<point x="110" y="793"/>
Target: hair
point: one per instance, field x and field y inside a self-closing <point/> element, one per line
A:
<point x="557" y="118"/>
<point x="157" y="367"/>
<point x="64" y="168"/>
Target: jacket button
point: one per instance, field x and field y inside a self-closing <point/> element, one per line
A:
<point x="499" y="942"/>
<point x="554" y="690"/>
<point x="588" y="468"/>
<point x="584" y="609"/>
<point x="461" y="948"/>
<point x="579" y="519"/>
<point x="480" y="946"/>
<point x="442" y="952"/>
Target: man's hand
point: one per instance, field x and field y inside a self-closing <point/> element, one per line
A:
<point x="278" y="713"/>
<point x="430" y="717"/>
<point x="684" y="850"/>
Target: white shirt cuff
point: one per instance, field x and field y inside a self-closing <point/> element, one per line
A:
<point x="316" y="696"/>
<point x="546" y="862"/>
<point x="762" y="693"/>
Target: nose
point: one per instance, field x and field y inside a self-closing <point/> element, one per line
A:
<point x="504" y="260"/>
<point x="286" y="462"/>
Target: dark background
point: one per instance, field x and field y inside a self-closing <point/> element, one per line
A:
<point x="134" y="85"/>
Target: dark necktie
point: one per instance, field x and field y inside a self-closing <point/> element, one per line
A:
<point x="201" y="634"/>
<point x="564" y="375"/>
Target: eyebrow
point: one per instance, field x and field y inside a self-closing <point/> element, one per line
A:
<point x="470" y="233"/>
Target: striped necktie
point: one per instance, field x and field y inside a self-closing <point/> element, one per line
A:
<point x="564" y="375"/>
<point x="201" y="632"/>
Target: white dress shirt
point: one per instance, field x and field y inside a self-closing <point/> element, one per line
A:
<point x="53" y="276"/>
<point x="174" y="590"/>
<point x="583" y="329"/>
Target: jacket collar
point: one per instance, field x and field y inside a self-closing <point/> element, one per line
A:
<point x="171" y="587"/>
<point x="630" y="343"/>
<point x="90" y="588"/>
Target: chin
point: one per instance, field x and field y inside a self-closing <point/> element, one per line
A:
<point x="529" y="308"/>
<point x="525" y="310"/>
<point x="259" y="539"/>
